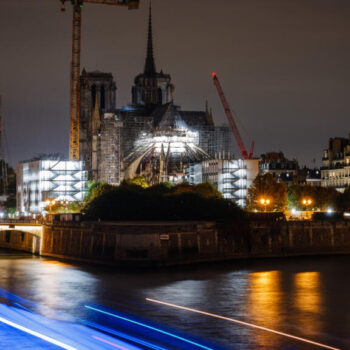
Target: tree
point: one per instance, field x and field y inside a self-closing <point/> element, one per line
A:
<point x="343" y="200"/>
<point x="184" y="187"/>
<point x="267" y="187"/>
<point x="95" y="189"/>
<point x="138" y="180"/>
<point x="321" y="197"/>
<point x="297" y="193"/>
<point x="126" y="203"/>
<point x="326" y="197"/>
<point x="207" y="190"/>
<point x="162" y="188"/>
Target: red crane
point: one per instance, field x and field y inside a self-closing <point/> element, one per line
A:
<point x="232" y="122"/>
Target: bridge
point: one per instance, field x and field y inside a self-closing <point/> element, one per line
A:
<point x="21" y="235"/>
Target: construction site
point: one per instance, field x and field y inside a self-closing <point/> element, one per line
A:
<point x="151" y="136"/>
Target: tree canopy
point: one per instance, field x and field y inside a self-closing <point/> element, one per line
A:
<point x="159" y="202"/>
<point x="138" y="180"/>
<point x="321" y="197"/>
<point x="343" y="200"/>
<point x="266" y="187"/>
<point x="206" y="190"/>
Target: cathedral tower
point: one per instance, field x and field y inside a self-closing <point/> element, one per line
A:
<point x="96" y="88"/>
<point x="151" y="88"/>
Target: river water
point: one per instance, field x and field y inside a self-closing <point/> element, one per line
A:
<point x="304" y="297"/>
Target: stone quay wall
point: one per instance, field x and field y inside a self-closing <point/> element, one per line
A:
<point x="174" y="243"/>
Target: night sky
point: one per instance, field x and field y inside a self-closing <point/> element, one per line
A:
<point x="284" y="66"/>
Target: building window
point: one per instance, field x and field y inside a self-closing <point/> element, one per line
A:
<point x="160" y="96"/>
<point x="93" y="95"/>
<point x="102" y="102"/>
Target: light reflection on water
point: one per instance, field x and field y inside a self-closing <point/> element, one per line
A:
<point x="307" y="291"/>
<point x="304" y="297"/>
<point x="264" y="304"/>
<point x="308" y="302"/>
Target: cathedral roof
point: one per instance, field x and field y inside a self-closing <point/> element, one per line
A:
<point x="171" y="118"/>
<point x="194" y="118"/>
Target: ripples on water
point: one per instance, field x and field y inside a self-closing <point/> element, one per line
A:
<point x="306" y="297"/>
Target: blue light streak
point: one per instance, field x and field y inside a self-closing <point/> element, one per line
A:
<point x="123" y="335"/>
<point x="39" y="329"/>
<point x="150" y="327"/>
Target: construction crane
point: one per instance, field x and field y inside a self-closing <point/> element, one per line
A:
<point x="75" y="67"/>
<point x="232" y="122"/>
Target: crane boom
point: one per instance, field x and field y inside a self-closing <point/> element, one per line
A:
<point x="75" y="66"/>
<point x="232" y="122"/>
<point x="75" y="85"/>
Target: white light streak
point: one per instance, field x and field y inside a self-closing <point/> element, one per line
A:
<point x="243" y="323"/>
<point x="37" y="334"/>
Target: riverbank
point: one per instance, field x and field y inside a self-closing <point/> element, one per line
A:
<point x="144" y="244"/>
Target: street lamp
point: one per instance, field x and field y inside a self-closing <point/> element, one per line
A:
<point x="50" y="203"/>
<point x="306" y="202"/>
<point x="265" y="202"/>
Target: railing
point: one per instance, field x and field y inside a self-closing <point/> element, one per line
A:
<point x="19" y="221"/>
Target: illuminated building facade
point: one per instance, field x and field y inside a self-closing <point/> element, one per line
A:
<point x="232" y="177"/>
<point x="41" y="180"/>
<point x="283" y="169"/>
<point x="335" y="170"/>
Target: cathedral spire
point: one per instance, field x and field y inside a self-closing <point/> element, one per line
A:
<point x="150" y="67"/>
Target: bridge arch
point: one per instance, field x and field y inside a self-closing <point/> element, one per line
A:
<point x="21" y="236"/>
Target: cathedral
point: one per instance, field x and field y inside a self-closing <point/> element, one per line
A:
<point x="152" y="136"/>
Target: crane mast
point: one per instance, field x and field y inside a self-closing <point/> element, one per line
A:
<point x="232" y="122"/>
<point x="75" y="66"/>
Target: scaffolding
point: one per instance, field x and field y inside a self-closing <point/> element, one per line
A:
<point x="109" y="166"/>
<point x="232" y="177"/>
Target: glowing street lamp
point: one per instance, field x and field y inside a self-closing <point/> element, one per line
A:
<point x="265" y="202"/>
<point x="307" y="202"/>
<point x="50" y="203"/>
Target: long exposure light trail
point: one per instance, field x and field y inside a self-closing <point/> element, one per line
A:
<point x="110" y="343"/>
<point x="123" y="336"/>
<point x="242" y="323"/>
<point x="149" y="327"/>
<point x="37" y="334"/>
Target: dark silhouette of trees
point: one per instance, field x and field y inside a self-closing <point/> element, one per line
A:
<point x="159" y="202"/>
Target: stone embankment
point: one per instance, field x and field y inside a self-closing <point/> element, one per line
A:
<point x="174" y="243"/>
